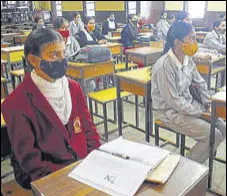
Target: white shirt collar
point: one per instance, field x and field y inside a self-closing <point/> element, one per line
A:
<point x="176" y="61"/>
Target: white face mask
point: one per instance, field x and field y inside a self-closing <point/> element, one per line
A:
<point x="39" y="26"/>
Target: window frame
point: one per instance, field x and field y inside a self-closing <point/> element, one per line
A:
<point x="196" y="19"/>
<point x="128" y="9"/>
<point x="86" y="11"/>
<point x="58" y="4"/>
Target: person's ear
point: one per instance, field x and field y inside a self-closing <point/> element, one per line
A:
<point x="34" y="60"/>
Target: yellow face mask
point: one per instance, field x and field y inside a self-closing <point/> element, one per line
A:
<point x="91" y="27"/>
<point x="190" y="49"/>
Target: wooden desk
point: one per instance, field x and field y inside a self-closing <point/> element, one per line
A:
<point x="117" y="33"/>
<point x="218" y="111"/>
<point x="188" y="179"/>
<point x="83" y="71"/>
<point x="137" y="82"/>
<point x="113" y="39"/>
<point x="200" y="36"/>
<point x="20" y="39"/>
<point x="4" y="44"/>
<point x="115" y="48"/>
<point x="25" y="32"/>
<point x="8" y="36"/>
<point x="146" y="55"/>
<point x="207" y="68"/>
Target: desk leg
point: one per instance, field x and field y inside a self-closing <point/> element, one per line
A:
<point x="212" y="141"/>
<point x="148" y="120"/>
<point x="119" y="105"/>
<point x="126" y="60"/>
<point x="137" y="111"/>
<point x="223" y="78"/>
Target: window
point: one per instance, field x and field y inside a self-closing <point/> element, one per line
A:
<point x="196" y="9"/>
<point x="90" y="8"/>
<point x="131" y="7"/>
<point x="58" y="8"/>
<point x="144" y="8"/>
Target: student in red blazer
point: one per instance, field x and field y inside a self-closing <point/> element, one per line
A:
<point x="47" y="133"/>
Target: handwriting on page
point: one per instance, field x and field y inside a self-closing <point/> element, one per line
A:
<point x="110" y="178"/>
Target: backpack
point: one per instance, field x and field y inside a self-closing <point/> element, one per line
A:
<point x="92" y="54"/>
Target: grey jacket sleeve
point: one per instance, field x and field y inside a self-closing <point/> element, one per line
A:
<point x="198" y="79"/>
<point x="213" y="43"/>
<point x="168" y="90"/>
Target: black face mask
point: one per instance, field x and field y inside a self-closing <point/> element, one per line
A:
<point x="135" y="22"/>
<point x="54" y="69"/>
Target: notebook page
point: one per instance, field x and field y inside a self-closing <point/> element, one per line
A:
<point x="110" y="174"/>
<point x="145" y="154"/>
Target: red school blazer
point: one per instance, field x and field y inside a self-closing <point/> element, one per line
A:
<point x="36" y="132"/>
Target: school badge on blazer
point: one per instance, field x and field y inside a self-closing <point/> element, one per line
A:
<point x="76" y="125"/>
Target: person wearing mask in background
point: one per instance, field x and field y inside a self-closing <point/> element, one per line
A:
<point x="140" y="21"/>
<point x="216" y="39"/>
<point x="72" y="48"/>
<point x="170" y="19"/>
<point x="163" y="26"/>
<point x="109" y="25"/>
<point x="71" y="44"/>
<point x="76" y="25"/>
<point x="130" y="32"/>
<point x="174" y="77"/>
<point x="47" y="118"/>
<point x="39" y="23"/>
<point x="90" y="35"/>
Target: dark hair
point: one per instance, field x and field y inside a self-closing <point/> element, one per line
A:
<point x="181" y="16"/>
<point x="178" y="30"/>
<point x="217" y="23"/>
<point x="37" y="18"/>
<point x="170" y="16"/>
<point x="130" y="16"/>
<point x="87" y="19"/>
<point x="37" y="38"/>
<point x="76" y="14"/>
<point x="59" y="21"/>
<point x="163" y="12"/>
<point x="222" y="16"/>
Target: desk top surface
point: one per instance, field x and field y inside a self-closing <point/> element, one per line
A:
<point x="144" y="51"/>
<point x="185" y="177"/>
<point x="220" y="97"/>
<point x="80" y="65"/>
<point x="13" y="48"/>
<point x="142" y="75"/>
<point x="213" y="58"/>
<point x="9" y="34"/>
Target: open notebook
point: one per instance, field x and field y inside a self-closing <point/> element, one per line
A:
<point x="121" y="166"/>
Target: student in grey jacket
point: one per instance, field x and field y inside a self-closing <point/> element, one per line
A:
<point x="216" y="39"/>
<point x="76" y="25"/>
<point x="163" y="25"/>
<point x="173" y="77"/>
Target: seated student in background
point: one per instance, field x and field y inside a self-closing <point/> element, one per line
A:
<point x="163" y="26"/>
<point x="216" y="39"/>
<point x="47" y="118"/>
<point x="172" y="97"/>
<point x="170" y="19"/>
<point x="222" y="16"/>
<point x="39" y="23"/>
<point x="109" y="25"/>
<point x="183" y="16"/>
<point x="76" y="25"/>
<point x="90" y="35"/>
<point x="130" y="32"/>
<point x="71" y="44"/>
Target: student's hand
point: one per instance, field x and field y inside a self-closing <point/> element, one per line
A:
<point x="206" y="116"/>
<point x="103" y="41"/>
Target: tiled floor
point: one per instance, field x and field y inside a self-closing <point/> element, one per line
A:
<point x="129" y="114"/>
